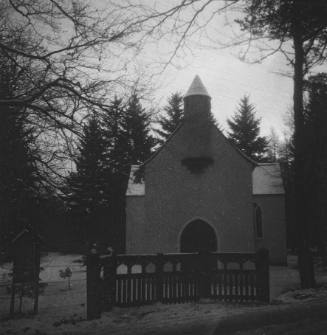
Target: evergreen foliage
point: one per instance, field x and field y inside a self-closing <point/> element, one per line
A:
<point x="287" y="20"/>
<point x="116" y="143"/>
<point x="315" y="164"/>
<point x="127" y="134"/>
<point x="108" y="148"/>
<point x="174" y="115"/>
<point x="87" y="198"/>
<point x="304" y="24"/>
<point x="244" y="131"/>
<point x="117" y="170"/>
<point x="130" y="143"/>
<point x="90" y="166"/>
<point x="137" y="129"/>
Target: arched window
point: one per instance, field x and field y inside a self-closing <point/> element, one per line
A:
<point x="258" y="221"/>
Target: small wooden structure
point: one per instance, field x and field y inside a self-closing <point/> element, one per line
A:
<point x="133" y="280"/>
<point x="25" y="251"/>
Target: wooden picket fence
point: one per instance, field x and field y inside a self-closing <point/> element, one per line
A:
<point x="133" y="280"/>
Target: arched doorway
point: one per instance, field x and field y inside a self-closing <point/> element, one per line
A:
<point x="198" y="236"/>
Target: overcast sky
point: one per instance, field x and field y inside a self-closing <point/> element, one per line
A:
<point x="227" y="78"/>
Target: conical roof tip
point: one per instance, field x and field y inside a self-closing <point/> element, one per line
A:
<point x="197" y="88"/>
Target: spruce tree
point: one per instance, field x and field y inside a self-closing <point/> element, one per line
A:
<point x="117" y="168"/>
<point x="112" y="122"/>
<point x="129" y="141"/>
<point x="244" y="131"/>
<point x="87" y="185"/>
<point x="174" y="114"/>
<point x="137" y="129"/>
<point x="128" y="135"/>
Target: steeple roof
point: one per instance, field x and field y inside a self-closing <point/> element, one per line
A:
<point x="197" y="88"/>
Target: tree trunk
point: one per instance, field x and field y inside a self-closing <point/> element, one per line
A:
<point x="305" y="260"/>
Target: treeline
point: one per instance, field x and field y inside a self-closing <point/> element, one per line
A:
<point x="95" y="191"/>
<point x="49" y="83"/>
<point x="111" y="142"/>
<point x="244" y="132"/>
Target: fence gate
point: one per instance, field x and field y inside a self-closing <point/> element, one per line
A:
<point x="130" y="280"/>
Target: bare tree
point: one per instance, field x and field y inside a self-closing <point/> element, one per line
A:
<point x="273" y="146"/>
<point x="71" y="58"/>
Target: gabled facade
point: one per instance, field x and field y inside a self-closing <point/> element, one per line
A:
<point x="200" y="193"/>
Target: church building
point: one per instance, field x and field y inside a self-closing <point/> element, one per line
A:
<point x="198" y="192"/>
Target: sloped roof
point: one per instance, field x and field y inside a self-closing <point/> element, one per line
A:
<point x="267" y="179"/>
<point x="197" y="88"/>
<point x="135" y="188"/>
<point x="180" y="125"/>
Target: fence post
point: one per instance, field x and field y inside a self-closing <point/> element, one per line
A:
<point x="204" y="272"/>
<point x="262" y="272"/>
<point x="159" y="274"/>
<point x="109" y="279"/>
<point x="93" y="303"/>
<point x="36" y="275"/>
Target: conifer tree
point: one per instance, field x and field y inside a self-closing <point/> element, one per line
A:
<point x="87" y="198"/>
<point x="107" y="149"/>
<point x="112" y="122"/>
<point x="127" y="134"/>
<point x="244" y="131"/>
<point x="174" y="115"/>
<point x="137" y="129"/>
<point x="116" y="170"/>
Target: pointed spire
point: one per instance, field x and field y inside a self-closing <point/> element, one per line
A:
<point x="197" y="88"/>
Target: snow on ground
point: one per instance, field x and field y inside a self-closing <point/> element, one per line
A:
<point x="56" y="299"/>
<point x="63" y="311"/>
<point x="51" y="263"/>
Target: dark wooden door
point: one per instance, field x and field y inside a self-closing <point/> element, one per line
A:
<point x="198" y="236"/>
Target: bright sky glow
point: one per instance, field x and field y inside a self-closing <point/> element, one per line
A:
<point x="269" y="84"/>
<point x="228" y="79"/>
